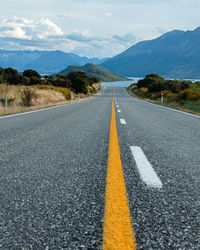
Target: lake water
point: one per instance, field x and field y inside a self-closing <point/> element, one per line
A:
<point x="122" y="83"/>
<point x="133" y="80"/>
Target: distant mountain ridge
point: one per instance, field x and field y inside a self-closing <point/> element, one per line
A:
<point x="175" y="54"/>
<point x="93" y="70"/>
<point x="45" y="62"/>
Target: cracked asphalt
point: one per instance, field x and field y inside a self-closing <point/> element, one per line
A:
<point x="53" y="172"/>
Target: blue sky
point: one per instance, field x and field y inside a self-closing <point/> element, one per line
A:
<point x="91" y="28"/>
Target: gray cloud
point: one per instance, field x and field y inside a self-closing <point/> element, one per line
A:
<point x="128" y="38"/>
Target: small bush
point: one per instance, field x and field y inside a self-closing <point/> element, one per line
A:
<point x="189" y="94"/>
<point x="96" y="86"/>
<point x="91" y="90"/>
<point x="142" y="91"/>
<point x="27" y="96"/>
<point x="171" y="97"/>
<point x="133" y="86"/>
<point x="197" y="83"/>
<point x="153" y="95"/>
<point x="195" y="86"/>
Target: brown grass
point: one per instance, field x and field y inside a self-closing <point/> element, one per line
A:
<point x="65" y="91"/>
<point x="45" y="97"/>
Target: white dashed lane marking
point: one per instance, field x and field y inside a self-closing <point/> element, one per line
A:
<point x="146" y="171"/>
<point x="122" y="121"/>
<point x="119" y="111"/>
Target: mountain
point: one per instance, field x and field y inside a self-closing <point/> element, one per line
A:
<point x="175" y="54"/>
<point x="45" y="62"/>
<point x="93" y="70"/>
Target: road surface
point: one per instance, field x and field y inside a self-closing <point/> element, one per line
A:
<point x="53" y="168"/>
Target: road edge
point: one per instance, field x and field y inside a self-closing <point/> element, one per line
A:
<point x="51" y="106"/>
<point x="163" y="106"/>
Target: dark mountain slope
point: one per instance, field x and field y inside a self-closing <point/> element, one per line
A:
<point x="174" y="54"/>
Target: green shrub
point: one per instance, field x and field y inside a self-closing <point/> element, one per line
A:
<point x="171" y="97"/>
<point x="58" y="81"/>
<point x="195" y="86"/>
<point x="189" y="94"/>
<point x="155" y="83"/>
<point x="80" y="81"/>
<point x="91" y="90"/>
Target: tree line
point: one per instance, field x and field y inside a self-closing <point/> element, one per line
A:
<point x="77" y="81"/>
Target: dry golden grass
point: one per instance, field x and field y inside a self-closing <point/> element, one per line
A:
<point x="65" y="91"/>
<point x="13" y="93"/>
<point x="44" y="97"/>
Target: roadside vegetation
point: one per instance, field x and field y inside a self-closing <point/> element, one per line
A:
<point x="179" y="94"/>
<point x="28" y="90"/>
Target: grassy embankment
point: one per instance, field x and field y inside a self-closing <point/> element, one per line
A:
<point x="26" y="98"/>
<point x="177" y="94"/>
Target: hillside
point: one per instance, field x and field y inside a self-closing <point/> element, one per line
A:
<point x="93" y="70"/>
<point x="174" y="54"/>
<point x="45" y="62"/>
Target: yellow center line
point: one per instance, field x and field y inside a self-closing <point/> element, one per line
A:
<point x="118" y="232"/>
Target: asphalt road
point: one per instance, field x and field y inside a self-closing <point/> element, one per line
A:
<point x="53" y="171"/>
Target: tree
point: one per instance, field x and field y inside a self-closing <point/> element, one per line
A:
<point x="155" y="83"/>
<point x="93" y="80"/>
<point x="80" y="81"/>
<point x="11" y="76"/>
<point x="31" y="73"/>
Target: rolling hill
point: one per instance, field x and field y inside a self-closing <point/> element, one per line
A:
<point x="93" y="70"/>
<point x="174" y="54"/>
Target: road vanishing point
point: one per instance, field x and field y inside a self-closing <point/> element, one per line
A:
<point x="111" y="172"/>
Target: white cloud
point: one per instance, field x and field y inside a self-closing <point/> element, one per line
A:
<point x="43" y="34"/>
<point x="15" y="28"/>
<point x="46" y="28"/>
<point x="23" y="28"/>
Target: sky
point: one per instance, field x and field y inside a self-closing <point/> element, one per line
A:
<point x="92" y="28"/>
